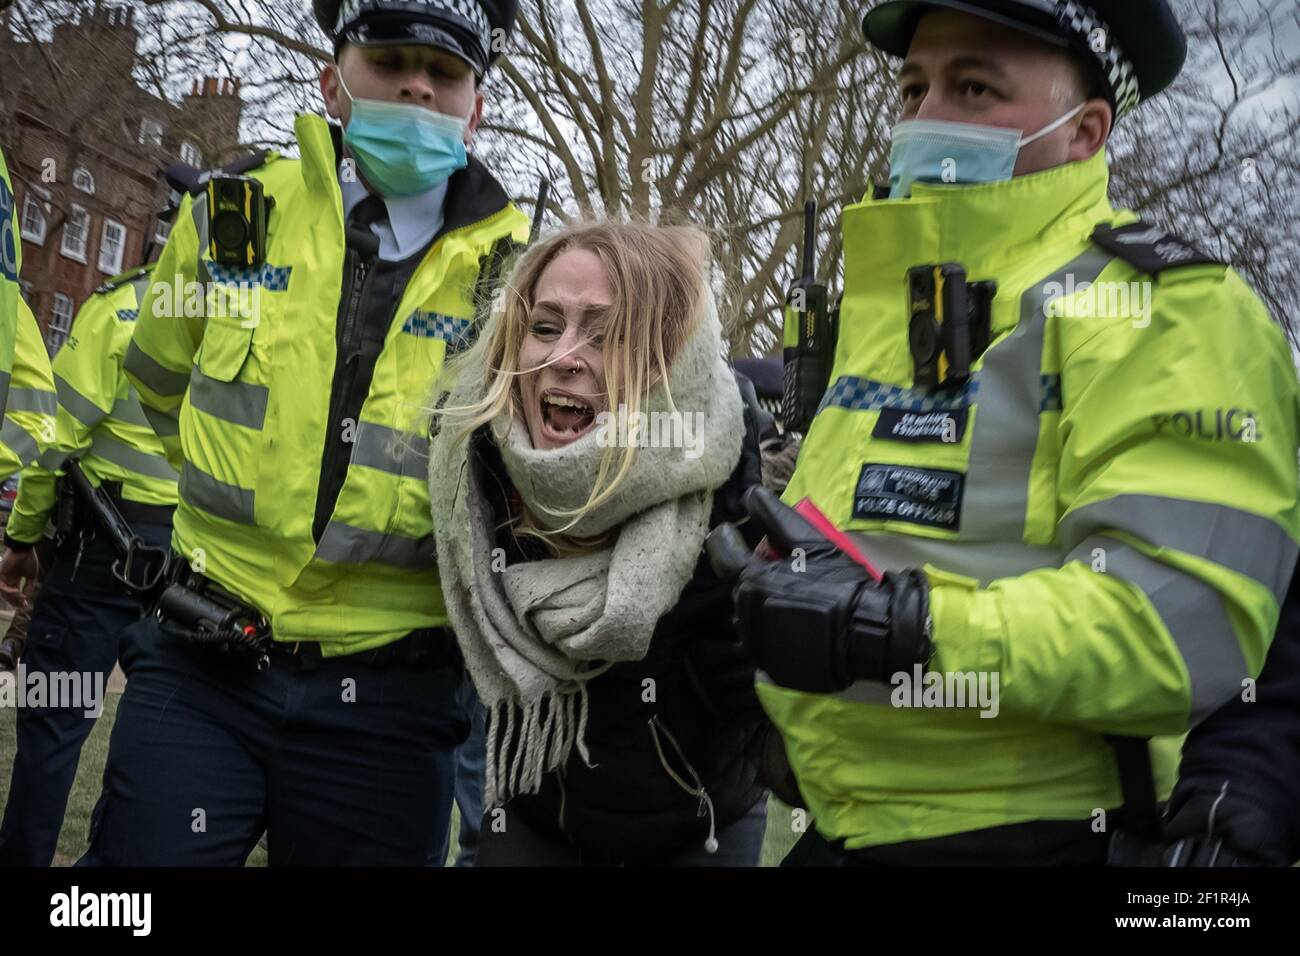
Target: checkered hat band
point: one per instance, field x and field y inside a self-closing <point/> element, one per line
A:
<point x="1083" y="23"/>
<point x="467" y="11"/>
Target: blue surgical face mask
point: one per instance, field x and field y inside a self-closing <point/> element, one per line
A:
<point x="937" y="151"/>
<point x="403" y="149"/>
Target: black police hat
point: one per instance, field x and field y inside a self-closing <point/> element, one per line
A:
<point x="473" y="30"/>
<point x="1137" y="53"/>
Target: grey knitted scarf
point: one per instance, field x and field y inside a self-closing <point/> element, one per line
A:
<point x="534" y="633"/>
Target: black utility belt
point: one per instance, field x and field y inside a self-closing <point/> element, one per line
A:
<point x="134" y="512"/>
<point x="139" y="513"/>
<point x="201" y="611"/>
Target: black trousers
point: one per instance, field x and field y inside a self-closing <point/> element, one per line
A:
<point x="341" y="762"/>
<point x="77" y="625"/>
<point x="1038" y="843"/>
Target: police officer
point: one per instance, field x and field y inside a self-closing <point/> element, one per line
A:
<point x="302" y="680"/>
<point x="82" y="609"/>
<point x="1087" y="525"/>
<point x="26" y="384"/>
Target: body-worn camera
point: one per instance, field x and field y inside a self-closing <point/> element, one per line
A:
<point x="949" y="326"/>
<point x="238" y="211"/>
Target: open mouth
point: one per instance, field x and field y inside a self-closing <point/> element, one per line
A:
<point x="565" y="416"/>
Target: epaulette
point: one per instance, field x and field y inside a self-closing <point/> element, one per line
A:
<point x="1150" y="249"/>
<point x="120" y="280"/>
<point x="236" y="167"/>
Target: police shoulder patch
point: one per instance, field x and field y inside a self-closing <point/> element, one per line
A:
<point x="1150" y="249"/>
<point x="120" y="280"/>
<point x="236" y="167"/>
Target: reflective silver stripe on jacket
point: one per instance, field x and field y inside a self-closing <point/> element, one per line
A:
<point x="24" y="445"/>
<point x="77" y="405"/>
<point x="164" y="424"/>
<point x="159" y="379"/>
<point x="1192" y="612"/>
<point x="395" y="452"/>
<point x="345" y="544"/>
<point x="239" y="403"/>
<point x="986" y="562"/>
<point x="216" y="497"/>
<point x="132" y="459"/>
<point x="53" y="459"/>
<point x="1004" y="435"/>
<point x="1239" y="540"/>
<point x="128" y="411"/>
<point x="36" y="400"/>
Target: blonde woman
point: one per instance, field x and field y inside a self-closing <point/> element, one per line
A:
<point x="593" y="437"/>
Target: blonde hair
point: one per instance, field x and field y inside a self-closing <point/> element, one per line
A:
<point x="657" y="274"/>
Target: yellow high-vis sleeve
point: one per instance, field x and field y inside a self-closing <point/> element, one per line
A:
<point x="86" y="380"/>
<point x="1180" y="519"/>
<point x="28" y="426"/>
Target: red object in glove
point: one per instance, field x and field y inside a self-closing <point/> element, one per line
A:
<point x="817" y="518"/>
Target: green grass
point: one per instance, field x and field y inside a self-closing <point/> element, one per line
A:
<point x="85" y="791"/>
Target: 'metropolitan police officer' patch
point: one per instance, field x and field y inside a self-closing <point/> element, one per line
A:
<point x="926" y="496"/>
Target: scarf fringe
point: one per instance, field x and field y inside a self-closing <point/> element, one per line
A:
<point x="520" y="752"/>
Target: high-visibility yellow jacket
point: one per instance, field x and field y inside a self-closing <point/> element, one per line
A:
<point x="1109" y="527"/>
<point x="100" y="421"/>
<point x="28" y="425"/>
<point x="25" y="383"/>
<point x="11" y="263"/>
<point x="250" y="369"/>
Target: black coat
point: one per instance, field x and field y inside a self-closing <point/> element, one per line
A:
<point x="626" y="807"/>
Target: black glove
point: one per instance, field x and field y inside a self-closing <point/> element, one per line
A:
<point x="1210" y="825"/>
<point x="814" y="619"/>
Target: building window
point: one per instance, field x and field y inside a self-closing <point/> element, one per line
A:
<point x="164" y="230"/>
<point x="60" y="322"/>
<point x="74" y="234"/>
<point x="33" y="220"/>
<point x="25" y="288"/>
<point x="111" y="245"/>
<point x="191" y="156"/>
<point x="83" y="181"/>
<point x="151" y="132"/>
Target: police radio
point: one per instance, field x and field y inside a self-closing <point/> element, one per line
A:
<point x="539" y="209"/>
<point x="949" y="325"/>
<point x="238" y="210"/>
<point x="809" y="337"/>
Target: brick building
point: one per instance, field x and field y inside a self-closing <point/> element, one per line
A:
<point x="85" y="143"/>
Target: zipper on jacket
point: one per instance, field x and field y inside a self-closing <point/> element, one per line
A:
<point x="357" y="270"/>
